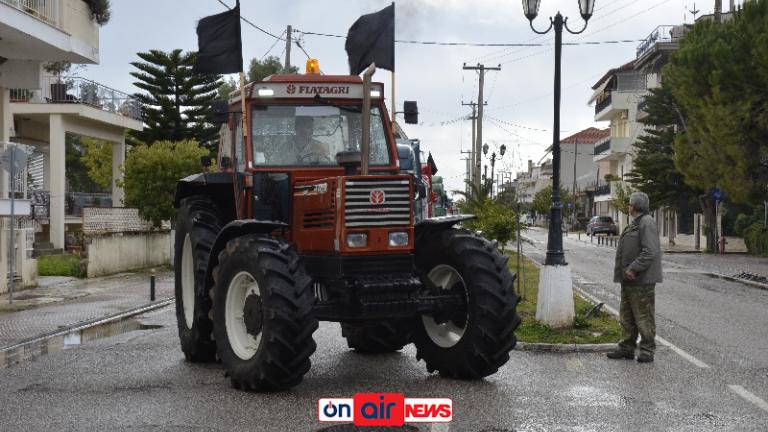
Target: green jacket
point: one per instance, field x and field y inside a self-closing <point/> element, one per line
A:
<point x="639" y="250"/>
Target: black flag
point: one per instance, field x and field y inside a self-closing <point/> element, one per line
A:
<point x="220" y="49"/>
<point x="431" y="163"/>
<point x="371" y="39"/>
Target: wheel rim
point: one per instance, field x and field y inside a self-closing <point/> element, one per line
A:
<point x="188" y="282"/>
<point x="445" y="334"/>
<point x="243" y="343"/>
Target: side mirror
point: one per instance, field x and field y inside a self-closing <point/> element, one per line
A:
<point x="219" y="112"/>
<point x="411" y="111"/>
<point x="226" y="162"/>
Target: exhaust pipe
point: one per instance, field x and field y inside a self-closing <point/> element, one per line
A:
<point x="366" y="119"/>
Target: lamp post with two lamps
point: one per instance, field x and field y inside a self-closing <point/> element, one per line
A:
<point x="493" y="158"/>
<point x="555" y="304"/>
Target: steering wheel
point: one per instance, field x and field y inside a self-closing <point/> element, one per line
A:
<point x="315" y="159"/>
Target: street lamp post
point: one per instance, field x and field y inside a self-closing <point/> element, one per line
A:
<point x="555" y="284"/>
<point x="502" y="150"/>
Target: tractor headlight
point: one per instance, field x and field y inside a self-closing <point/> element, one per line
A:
<point x="357" y="240"/>
<point x="397" y="239"/>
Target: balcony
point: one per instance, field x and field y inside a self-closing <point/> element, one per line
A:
<point x="603" y="190"/>
<point x="641" y="113"/>
<point x="662" y="33"/>
<point x="603" y="104"/>
<point x="620" y="94"/>
<point x="48" y="30"/>
<point x="602" y="147"/>
<point x="44" y="10"/>
<point x="77" y="90"/>
<point x="613" y="148"/>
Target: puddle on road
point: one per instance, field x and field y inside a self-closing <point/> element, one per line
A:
<point x="28" y="351"/>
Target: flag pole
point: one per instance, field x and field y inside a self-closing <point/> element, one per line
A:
<point x="394" y="104"/>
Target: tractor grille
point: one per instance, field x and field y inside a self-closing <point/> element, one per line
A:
<point x="320" y="219"/>
<point x="367" y="206"/>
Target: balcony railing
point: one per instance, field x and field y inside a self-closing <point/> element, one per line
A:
<point x="603" y="189"/>
<point x="44" y="10"/>
<point x="603" y="104"/>
<point x="81" y="91"/>
<point x="661" y="33"/>
<point x="603" y="147"/>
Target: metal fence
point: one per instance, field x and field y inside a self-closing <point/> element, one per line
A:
<point x="602" y="147"/>
<point x="44" y="10"/>
<point x="116" y="220"/>
<point x="80" y="90"/>
<point x="662" y="33"/>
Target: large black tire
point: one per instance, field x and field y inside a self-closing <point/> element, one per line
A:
<point x="376" y="338"/>
<point x="199" y="223"/>
<point x="268" y="349"/>
<point x="485" y="326"/>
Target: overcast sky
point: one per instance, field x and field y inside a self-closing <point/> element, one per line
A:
<point x="519" y="96"/>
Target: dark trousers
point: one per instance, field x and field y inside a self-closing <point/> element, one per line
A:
<point x="637" y="316"/>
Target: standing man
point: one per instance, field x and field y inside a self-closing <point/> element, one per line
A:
<point x="638" y="269"/>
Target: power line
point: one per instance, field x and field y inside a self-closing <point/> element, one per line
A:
<point x="478" y="44"/>
<point x="272" y="47"/>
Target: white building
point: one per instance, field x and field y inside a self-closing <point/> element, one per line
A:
<point x="616" y="96"/>
<point x="39" y="111"/>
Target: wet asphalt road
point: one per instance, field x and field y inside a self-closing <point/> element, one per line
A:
<point x="139" y="380"/>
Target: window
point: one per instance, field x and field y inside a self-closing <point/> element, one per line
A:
<point x="312" y="135"/>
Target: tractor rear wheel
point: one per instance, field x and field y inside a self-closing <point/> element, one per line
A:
<point x="197" y="226"/>
<point x="474" y="340"/>
<point x="262" y="311"/>
<point x="376" y="338"/>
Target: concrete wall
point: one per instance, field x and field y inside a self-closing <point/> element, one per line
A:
<point x="115" y="253"/>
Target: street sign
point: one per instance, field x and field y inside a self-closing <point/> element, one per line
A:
<point x="21" y="207"/>
<point x="718" y="195"/>
<point x="15" y="155"/>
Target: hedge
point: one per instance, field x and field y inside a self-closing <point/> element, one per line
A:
<point x="756" y="239"/>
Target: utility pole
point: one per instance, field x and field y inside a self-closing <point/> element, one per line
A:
<point x="575" y="158"/>
<point x="718" y="11"/>
<point x="481" y="102"/>
<point x="468" y="180"/>
<point x="472" y="171"/>
<point x="288" y="33"/>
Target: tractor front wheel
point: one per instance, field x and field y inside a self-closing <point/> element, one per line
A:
<point x="262" y="313"/>
<point x="474" y="340"/>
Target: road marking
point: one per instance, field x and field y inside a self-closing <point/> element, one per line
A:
<point x="683" y="354"/>
<point x="696" y="362"/>
<point x="741" y="391"/>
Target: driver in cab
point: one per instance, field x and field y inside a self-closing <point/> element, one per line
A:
<point x="308" y="150"/>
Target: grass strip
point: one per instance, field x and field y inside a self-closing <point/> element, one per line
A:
<point x="600" y="327"/>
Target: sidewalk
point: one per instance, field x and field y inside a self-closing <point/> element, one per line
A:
<point x="61" y="301"/>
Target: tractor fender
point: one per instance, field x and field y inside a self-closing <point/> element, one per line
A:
<point x="216" y="185"/>
<point x="233" y="230"/>
<point x="440" y="223"/>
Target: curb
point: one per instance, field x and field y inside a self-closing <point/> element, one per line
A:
<point x="735" y="279"/>
<point x="565" y="348"/>
<point x="38" y="345"/>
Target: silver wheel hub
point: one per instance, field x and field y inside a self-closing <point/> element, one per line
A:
<point x="243" y="315"/>
<point x="445" y="334"/>
<point x="188" y="282"/>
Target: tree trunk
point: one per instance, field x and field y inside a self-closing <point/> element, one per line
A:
<point x="709" y="209"/>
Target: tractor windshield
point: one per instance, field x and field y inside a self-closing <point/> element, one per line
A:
<point x="311" y="135"/>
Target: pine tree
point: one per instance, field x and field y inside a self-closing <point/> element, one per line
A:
<point x="177" y="101"/>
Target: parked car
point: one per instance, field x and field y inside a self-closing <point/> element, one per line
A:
<point x="602" y="224"/>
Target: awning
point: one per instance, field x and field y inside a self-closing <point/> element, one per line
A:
<point x="599" y="91"/>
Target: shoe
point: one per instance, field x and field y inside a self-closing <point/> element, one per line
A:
<point x="619" y="355"/>
<point x="644" y="358"/>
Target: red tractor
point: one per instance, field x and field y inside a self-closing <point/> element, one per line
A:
<point x="308" y="219"/>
